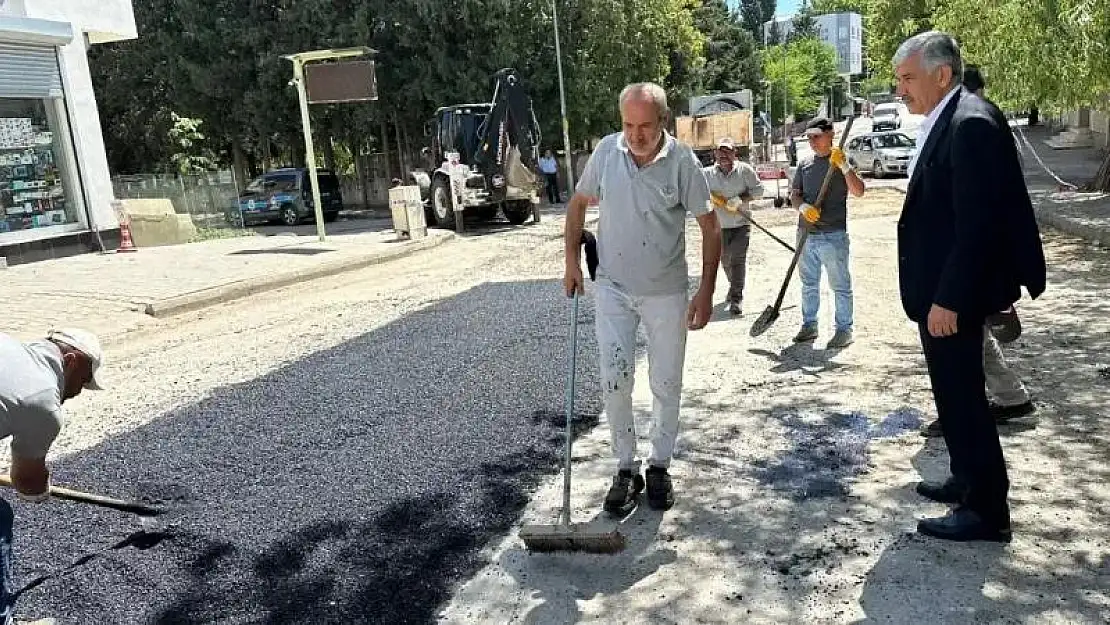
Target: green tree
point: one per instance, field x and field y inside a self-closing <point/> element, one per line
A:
<point x="755" y="13"/>
<point x="731" y="58"/>
<point x="887" y="23"/>
<point x="821" y="7"/>
<point x="1055" y="54"/>
<point x="803" y="26"/>
<point x="190" y="155"/>
<point x="805" y="69"/>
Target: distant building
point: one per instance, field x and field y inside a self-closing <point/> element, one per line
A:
<point x="842" y="31"/>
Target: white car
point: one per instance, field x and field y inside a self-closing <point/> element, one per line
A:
<point x="881" y="153"/>
<point x="889" y="116"/>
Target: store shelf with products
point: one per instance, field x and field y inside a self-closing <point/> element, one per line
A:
<point x="32" y="193"/>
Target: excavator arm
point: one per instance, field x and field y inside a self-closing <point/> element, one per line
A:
<point x="510" y="132"/>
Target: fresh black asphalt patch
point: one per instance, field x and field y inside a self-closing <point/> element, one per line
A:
<point x="357" y="485"/>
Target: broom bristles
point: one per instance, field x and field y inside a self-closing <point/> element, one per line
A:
<point x="548" y="538"/>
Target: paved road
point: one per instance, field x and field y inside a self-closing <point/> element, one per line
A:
<point x="339" y="452"/>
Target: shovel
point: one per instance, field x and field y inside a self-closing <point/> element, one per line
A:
<point x="768" y="317"/>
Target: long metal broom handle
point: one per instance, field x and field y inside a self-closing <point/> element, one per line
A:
<point x="571" y="370"/>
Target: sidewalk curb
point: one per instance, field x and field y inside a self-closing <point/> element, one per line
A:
<point x="211" y="296"/>
<point x="1092" y="234"/>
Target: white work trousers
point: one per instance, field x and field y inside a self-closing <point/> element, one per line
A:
<point x="664" y="319"/>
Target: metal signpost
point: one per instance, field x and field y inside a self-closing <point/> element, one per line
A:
<point x="563" y="104"/>
<point x="329" y="83"/>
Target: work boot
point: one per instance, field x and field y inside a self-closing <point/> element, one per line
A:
<point x="840" y="340"/>
<point x="660" y="491"/>
<point x="806" y="334"/>
<point x="622" y="495"/>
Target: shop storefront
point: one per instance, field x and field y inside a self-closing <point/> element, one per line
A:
<point x="40" y="185"/>
<point x="55" y="187"/>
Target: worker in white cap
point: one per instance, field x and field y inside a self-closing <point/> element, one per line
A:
<point x="36" y="378"/>
<point x="733" y="184"/>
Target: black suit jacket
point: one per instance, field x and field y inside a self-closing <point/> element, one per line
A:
<point x="968" y="238"/>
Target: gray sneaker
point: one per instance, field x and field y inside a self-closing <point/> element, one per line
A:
<point x="840" y="340"/>
<point x="806" y="334"/>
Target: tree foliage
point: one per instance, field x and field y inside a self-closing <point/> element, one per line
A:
<point x="805" y="70"/>
<point x="890" y="22"/>
<point x="220" y="62"/>
<point x="731" y="55"/>
<point x="1055" y="54"/>
<point x="1033" y="52"/>
<point x="755" y="13"/>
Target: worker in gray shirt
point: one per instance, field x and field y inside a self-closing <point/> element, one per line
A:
<point x="645" y="182"/>
<point x="826" y="246"/>
<point x="737" y="184"/>
<point x="35" y="379"/>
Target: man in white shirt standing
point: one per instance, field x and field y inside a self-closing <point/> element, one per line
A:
<point x="550" y="170"/>
<point x="36" y="378"/>
<point x="646" y="182"/>
<point x="737" y="184"/>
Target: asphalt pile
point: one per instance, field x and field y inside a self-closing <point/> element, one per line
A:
<point x="356" y="485"/>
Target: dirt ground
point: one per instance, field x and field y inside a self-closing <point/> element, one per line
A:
<point x="795" y="469"/>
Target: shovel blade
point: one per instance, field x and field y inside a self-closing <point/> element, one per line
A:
<point x="766" y="320"/>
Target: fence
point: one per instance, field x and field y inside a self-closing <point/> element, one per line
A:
<point x="210" y="199"/>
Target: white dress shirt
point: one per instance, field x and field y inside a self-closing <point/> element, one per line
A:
<point x="927" y="127"/>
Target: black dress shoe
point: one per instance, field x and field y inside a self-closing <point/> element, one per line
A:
<point x="962" y="525"/>
<point x="941" y="492"/>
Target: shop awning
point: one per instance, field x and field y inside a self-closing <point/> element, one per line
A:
<point x="35" y="31"/>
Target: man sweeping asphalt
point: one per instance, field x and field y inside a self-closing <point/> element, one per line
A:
<point x="646" y="182"/>
<point x="36" y="378"/>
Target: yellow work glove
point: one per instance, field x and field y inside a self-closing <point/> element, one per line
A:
<point x="735" y="205"/>
<point x="838" y="160"/>
<point x="809" y="213"/>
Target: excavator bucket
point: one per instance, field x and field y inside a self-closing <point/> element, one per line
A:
<point x="516" y="174"/>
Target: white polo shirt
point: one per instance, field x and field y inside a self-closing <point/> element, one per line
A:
<point x="30" y="395"/>
<point x="641" y="238"/>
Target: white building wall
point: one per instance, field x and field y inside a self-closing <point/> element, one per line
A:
<point x="842" y="31"/>
<point x="102" y="20"/>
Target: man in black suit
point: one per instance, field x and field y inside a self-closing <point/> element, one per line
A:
<point x="967" y="242"/>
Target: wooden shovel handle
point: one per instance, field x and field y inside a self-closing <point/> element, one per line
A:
<point x="70" y="494"/>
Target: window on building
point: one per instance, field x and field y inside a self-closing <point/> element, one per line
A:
<point x="38" y="186"/>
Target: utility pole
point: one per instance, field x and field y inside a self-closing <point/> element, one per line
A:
<point x="563" y="102"/>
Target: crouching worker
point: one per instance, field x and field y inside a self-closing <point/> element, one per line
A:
<point x="35" y="379"/>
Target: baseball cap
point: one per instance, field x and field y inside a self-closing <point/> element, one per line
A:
<point x="725" y="143"/>
<point x="818" y="125"/>
<point x="86" y="343"/>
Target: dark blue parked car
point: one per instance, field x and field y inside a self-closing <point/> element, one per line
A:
<point x="285" y="195"/>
